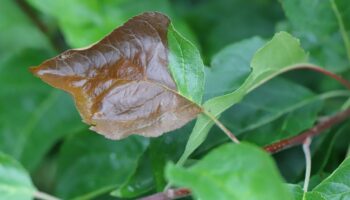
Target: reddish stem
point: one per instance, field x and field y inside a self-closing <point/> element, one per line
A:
<point x="316" y="130"/>
<point x="336" y="77"/>
<point x="169" y="194"/>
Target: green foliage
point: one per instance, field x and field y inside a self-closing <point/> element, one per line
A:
<point x="240" y="171"/>
<point x="87" y="164"/>
<point x="231" y="66"/>
<point x="336" y="186"/>
<point x="276" y="56"/>
<point x="33" y="116"/>
<point x="95" y="19"/>
<point x="15" y="37"/>
<point x="316" y="24"/>
<point x="15" y="182"/>
<point x="246" y="47"/>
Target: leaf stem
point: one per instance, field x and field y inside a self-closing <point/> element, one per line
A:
<point x="44" y="196"/>
<point x="332" y="75"/>
<point x="306" y="149"/>
<point x="31" y="14"/>
<point x="316" y="130"/>
<point x="169" y="194"/>
<point x="221" y="126"/>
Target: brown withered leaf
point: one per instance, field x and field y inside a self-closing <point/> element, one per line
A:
<point x="122" y="84"/>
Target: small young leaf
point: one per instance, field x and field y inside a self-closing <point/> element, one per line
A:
<point x="143" y="78"/>
<point x="237" y="172"/>
<point x="15" y="182"/>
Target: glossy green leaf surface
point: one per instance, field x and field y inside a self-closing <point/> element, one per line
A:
<point x="186" y="66"/>
<point x="232" y="172"/>
<point x="91" y="165"/>
<point x="15" y="182"/>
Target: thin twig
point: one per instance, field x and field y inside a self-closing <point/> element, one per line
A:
<point x="44" y="196"/>
<point x="316" y="130"/>
<point x="306" y="149"/>
<point x="332" y="75"/>
<point x="221" y="126"/>
<point x="169" y="194"/>
<point x="32" y="15"/>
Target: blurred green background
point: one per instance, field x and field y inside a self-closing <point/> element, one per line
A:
<point x="40" y="127"/>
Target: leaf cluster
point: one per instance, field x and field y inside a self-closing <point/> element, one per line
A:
<point x="235" y="63"/>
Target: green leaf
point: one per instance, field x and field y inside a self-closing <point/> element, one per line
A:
<point x="316" y="24"/>
<point x="91" y="165"/>
<point x="287" y="126"/>
<point x="296" y="190"/>
<point x="309" y="20"/>
<point x="337" y="185"/>
<point x="330" y="155"/>
<point x="268" y="103"/>
<point x="139" y="183"/>
<point x="314" y="196"/>
<point x="341" y="9"/>
<point x="150" y="171"/>
<point x="15" y="182"/>
<point x="232" y="172"/>
<point x="282" y="53"/>
<point x="271" y="113"/>
<point x="231" y="66"/>
<point x="186" y="66"/>
<point x="33" y="116"/>
<point x="299" y="194"/>
<point x="221" y="22"/>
